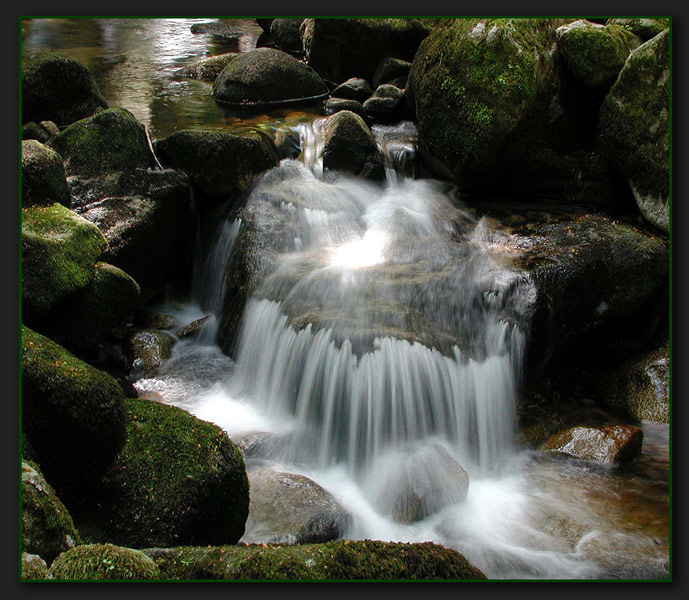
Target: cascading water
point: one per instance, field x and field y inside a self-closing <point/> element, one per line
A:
<point x="381" y="340"/>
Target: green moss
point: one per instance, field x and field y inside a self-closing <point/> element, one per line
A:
<point x="103" y="562"/>
<point x="178" y="480"/>
<point x="59" y="250"/>
<point x="343" y="560"/>
<point x="73" y="414"/>
<point x="43" y="176"/>
<point x="33" y="567"/>
<point x="111" y="140"/>
<point x="644" y="28"/>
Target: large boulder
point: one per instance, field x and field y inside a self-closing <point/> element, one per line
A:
<point x="57" y="88"/>
<point x="266" y="77"/>
<point x="640" y="386"/>
<point x="103" y="562"/>
<point x="342" y="48"/>
<point x="111" y="140"/>
<point x="59" y="251"/>
<point x="644" y="28"/>
<point x="285" y="32"/>
<point x="47" y="527"/>
<point x="606" y="443"/>
<point x="341" y="560"/>
<point x="634" y="127"/>
<point x="177" y="481"/>
<point x="349" y="146"/>
<point x="291" y="509"/>
<point x="43" y="176"/>
<point x="219" y="163"/>
<point x="595" y="53"/>
<point x="73" y="414"/>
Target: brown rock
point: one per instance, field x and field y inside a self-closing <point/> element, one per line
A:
<point x="607" y="443"/>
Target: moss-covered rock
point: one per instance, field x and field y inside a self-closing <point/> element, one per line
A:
<point x="73" y="414"/>
<point x="103" y="562"/>
<point x="88" y="317"/>
<point x="342" y="48"/>
<point x="594" y="53"/>
<point x="57" y="88"/>
<point x="643" y="28"/>
<point x="208" y="69"/>
<point x="634" y="127"/>
<point x="219" y="163"/>
<point x="59" y="251"/>
<point x="265" y="77"/>
<point x="285" y="32"/>
<point x="33" y="567"/>
<point x="350" y="146"/>
<point x="47" y="527"/>
<point x="178" y="480"/>
<point x="147" y="350"/>
<point x="386" y="105"/>
<point x="111" y="140"/>
<point x="145" y="218"/>
<point x="43" y="176"/>
<point x="605" y="443"/>
<point x="640" y="386"/>
<point x="344" y="560"/>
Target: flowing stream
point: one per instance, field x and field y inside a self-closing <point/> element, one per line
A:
<point x="382" y="343"/>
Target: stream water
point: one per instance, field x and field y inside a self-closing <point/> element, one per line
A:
<point x="382" y="341"/>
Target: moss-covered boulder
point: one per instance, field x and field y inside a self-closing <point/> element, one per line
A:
<point x="88" y="317"/>
<point x="285" y="32"/>
<point x="73" y="414"/>
<point x="59" y="251"/>
<point x="219" y="163"/>
<point x="342" y="48"/>
<point x="177" y="481"/>
<point x="640" y="386"/>
<point x="354" y="88"/>
<point x="349" y="146"/>
<point x="145" y="218"/>
<point x="57" y="88"/>
<point x="43" y="176"/>
<point x="344" y="560"/>
<point x="103" y="562"/>
<point x="147" y="350"/>
<point x="634" y="127"/>
<point x="47" y="527"/>
<point x="266" y="77"/>
<point x="33" y="567"/>
<point x="208" y="69"/>
<point x="605" y="443"/>
<point x="643" y="28"/>
<point x="111" y="140"/>
<point x="594" y="53"/>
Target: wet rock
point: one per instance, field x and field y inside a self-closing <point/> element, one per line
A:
<point x="43" y="176"/>
<point x="208" y="69"/>
<point x="111" y="140"/>
<point x="285" y="32"/>
<point x="349" y="146"/>
<point x="151" y="319"/>
<point x="102" y="562"/>
<point x="59" y="251"/>
<point x="47" y="527"/>
<point x="147" y="350"/>
<point x="219" y="163"/>
<point x="345" y="559"/>
<point x="634" y="128"/>
<point x="353" y="89"/>
<point x="606" y="444"/>
<point x="73" y="414"/>
<point x="33" y="567"/>
<point x="290" y="508"/>
<point x="386" y="105"/>
<point x="219" y="28"/>
<point x="342" y="48"/>
<point x="192" y="328"/>
<point x="57" y="88"/>
<point x="260" y="444"/>
<point x="266" y="77"/>
<point x="644" y="28"/>
<point x="390" y="69"/>
<point x="640" y="387"/>
<point x="177" y="481"/>
<point x="334" y="105"/>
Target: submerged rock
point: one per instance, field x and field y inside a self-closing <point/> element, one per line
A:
<point x="344" y="560"/>
<point x="103" y="562"/>
<point x="73" y="414"/>
<point x="634" y="128"/>
<point x="177" y="481"/>
<point x="47" y="527"/>
<point x="58" y="88"/>
<point x="33" y="567"/>
<point x="220" y="28"/>
<point x="293" y="509"/>
<point x="606" y="444"/>
<point x="265" y="77"/>
<point x="43" y="176"/>
<point x="353" y="89"/>
<point x="208" y="69"/>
